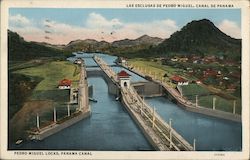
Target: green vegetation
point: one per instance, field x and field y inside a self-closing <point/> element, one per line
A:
<point x="17" y="65"/>
<point x="51" y="73"/>
<point x="224" y="101"/>
<point x="19" y="85"/>
<point x="34" y="71"/>
<point x="221" y="103"/>
<point x="125" y="47"/>
<point x="19" y="49"/>
<point x="156" y="68"/>
<point x="193" y="89"/>
<point x="200" y="37"/>
<point x="37" y="85"/>
<point x="38" y="80"/>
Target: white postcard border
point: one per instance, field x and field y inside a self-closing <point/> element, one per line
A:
<point x="243" y="4"/>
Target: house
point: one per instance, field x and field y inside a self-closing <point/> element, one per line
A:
<point x="190" y="70"/>
<point x="236" y="75"/>
<point x="179" y="80"/>
<point x="198" y="82"/>
<point x="209" y="59"/>
<point x="78" y="61"/>
<point x="183" y="59"/>
<point x="124" y="78"/>
<point x="64" y="84"/>
<point x="231" y="88"/>
<point x="121" y="61"/>
<point x="209" y="73"/>
<point x="175" y="59"/>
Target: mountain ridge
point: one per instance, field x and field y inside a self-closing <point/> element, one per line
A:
<point x="144" y="39"/>
<point x="19" y="49"/>
<point x="200" y="37"/>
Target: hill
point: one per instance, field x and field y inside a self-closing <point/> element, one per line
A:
<point x="201" y="37"/>
<point x="117" y="47"/>
<point x="143" y="40"/>
<point x="19" y="49"/>
<point x="89" y="45"/>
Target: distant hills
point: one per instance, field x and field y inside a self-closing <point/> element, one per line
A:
<point x="121" y="46"/>
<point x="199" y="37"/>
<point x="90" y="45"/>
<point x="19" y="49"/>
<point x="145" y="39"/>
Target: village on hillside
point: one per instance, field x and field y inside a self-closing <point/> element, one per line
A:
<point x="208" y="77"/>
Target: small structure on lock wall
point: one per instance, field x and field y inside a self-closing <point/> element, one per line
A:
<point x="124" y="78"/>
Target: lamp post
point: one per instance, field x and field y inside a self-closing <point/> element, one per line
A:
<point x="170" y="133"/>
<point x="214" y="101"/>
<point x="234" y="107"/>
<point x="37" y="121"/>
<point x="55" y="114"/>
<point x="194" y="144"/>
<point x="196" y="100"/>
<point x="68" y="110"/>
<point x="153" y="119"/>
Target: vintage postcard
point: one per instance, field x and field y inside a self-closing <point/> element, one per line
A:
<point x="124" y="79"/>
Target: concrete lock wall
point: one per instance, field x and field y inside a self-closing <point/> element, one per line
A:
<point x="204" y="111"/>
<point x="149" y="89"/>
<point x="112" y="88"/>
<point x="63" y="125"/>
<point x="142" y="127"/>
<point x="90" y="88"/>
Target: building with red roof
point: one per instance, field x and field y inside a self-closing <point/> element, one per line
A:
<point x="209" y="73"/>
<point x="179" y="80"/>
<point x="124" y="78"/>
<point x="64" y="84"/>
<point x="123" y="74"/>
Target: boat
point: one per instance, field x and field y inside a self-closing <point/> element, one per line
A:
<point x="19" y="141"/>
<point x="117" y="98"/>
<point x="92" y="99"/>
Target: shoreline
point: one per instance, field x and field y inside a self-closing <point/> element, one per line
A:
<point x="189" y="107"/>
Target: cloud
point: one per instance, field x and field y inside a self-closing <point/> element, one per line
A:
<point x="157" y="28"/>
<point x="96" y="27"/>
<point x="121" y="30"/>
<point x="19" y="21"/>
<point x="230" y="28"/>
<point x="95" y="20"/>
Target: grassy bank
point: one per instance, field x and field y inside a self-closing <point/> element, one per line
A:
<point x="37" y="82"/>
<point x="224" y="101"/>
<point x="157" y="69"/>
<point x="52" y="73"/>
<point x="154" y="67"/>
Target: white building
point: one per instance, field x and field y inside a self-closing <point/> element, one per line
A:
<point x="124" y="79"/>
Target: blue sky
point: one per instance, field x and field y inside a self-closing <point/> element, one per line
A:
<point x="123" y="23"/>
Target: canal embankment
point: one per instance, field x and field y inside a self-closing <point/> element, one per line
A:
<point x="147" y="131"/>
<point x="161" y="135"/>
<point x="82" y="112"/>
<point x="176" y="98"/>
<point x="57" y="127"/>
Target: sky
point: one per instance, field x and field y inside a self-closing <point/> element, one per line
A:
<point x="60" y="26"/>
